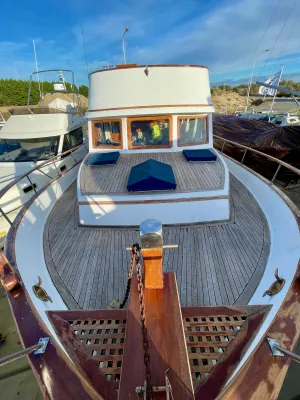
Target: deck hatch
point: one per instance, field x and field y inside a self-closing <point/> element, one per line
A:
<point x="216" y="339"/>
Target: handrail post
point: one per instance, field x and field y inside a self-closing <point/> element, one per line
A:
<point x="276" y="173"/>
<point x="58" y="173"/>
<point x="5" y="216"/>
<point x="222" y="150"/>
<point x="38" y="348"/>
<point x="72" y="155"/>
<point x="32" y="184"/>
<point x="244" y="155"/>
<point x="279" y="351"/>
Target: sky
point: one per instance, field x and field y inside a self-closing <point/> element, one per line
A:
<point x="225" y="35"/>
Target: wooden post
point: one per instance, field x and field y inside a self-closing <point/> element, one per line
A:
<point x="152" y="251"/>
<point x="153" y="268"/>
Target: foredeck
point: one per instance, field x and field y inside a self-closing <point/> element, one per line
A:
<point x="214" y="263"/>
<point x="190" y="176"/>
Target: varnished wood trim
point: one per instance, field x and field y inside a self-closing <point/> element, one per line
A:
<point x="151" y="106"/>
<point x="262" y="375"/>
<point x="129" y="66"/>
<point x="31" y="327"/>
<point x="151" y="118"/>
<point x="181" y="200"/>
<point x="192" y="117"/>
<point x="95" y="146"/>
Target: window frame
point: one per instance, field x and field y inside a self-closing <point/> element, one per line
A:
<point x="65" y="136"/>
<point x="192" y="117"/>
<point x="149" y="118"/>
<point x="106" y="146"/>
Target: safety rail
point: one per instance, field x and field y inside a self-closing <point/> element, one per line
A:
<point x="38" y="168"/>
<point x="271" y="158"/>
<point x="37" y="349"/>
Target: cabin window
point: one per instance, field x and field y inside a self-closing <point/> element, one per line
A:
<point x="107" y="133"/>
<point x="149" y="132"/>
<point x="22" y="150"/>
<point x="73" y="139"/>
<point x="192" y="131"/>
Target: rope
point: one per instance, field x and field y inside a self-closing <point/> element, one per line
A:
<point x="288" y="38"/>
<point x="262" y="38"/>
<point x="283" y="26"/>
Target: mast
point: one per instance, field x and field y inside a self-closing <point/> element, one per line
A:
<point x="37" y="69"/>
<point x="123" y="44"/>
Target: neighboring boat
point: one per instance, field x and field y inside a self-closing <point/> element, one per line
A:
<point x="2" y="121"/>
<point x="153" y="177"/>
<point x="276" y="118"/>
<point x="32" y="135"/>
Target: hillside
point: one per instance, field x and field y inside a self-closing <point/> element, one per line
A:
<point x="227" y="102"/>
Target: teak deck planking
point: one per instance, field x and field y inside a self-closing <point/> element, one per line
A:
<point x="215" y="264"/>
<point x="190" y="176"/>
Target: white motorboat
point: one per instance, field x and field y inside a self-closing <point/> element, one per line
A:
<point x="33" y="135"/>
<point x="203" y="251"/>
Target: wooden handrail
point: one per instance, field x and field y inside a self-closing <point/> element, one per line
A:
<point x="282" y="163"/>
<point x="17" y="180"/>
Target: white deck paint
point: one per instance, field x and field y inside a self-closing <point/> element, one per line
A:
<point x="207" y="205"/>
<point x="166" y="213"/>
<point x="284" y="251"/>
<point x="29" y="249"/>
<point x="284" y="254"/>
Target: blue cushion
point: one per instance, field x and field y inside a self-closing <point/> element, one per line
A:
<point x="151" y="175"/>
<point x="104" y="158"/>
<point x="199" y="155"/>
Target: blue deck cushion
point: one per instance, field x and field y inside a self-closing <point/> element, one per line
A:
<point x="104" y="158"/>
<point x="151" y="175"/>
<point x="199" y="155"/>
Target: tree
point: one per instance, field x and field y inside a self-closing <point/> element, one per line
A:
<point x="84" y="90"/>
<point x="14" y="92"/>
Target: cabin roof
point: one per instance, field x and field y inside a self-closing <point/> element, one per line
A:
<point x="128" y="66"/>
<point x="33" y="126"/>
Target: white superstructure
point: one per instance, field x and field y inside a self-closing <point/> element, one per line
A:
<point x="177" y="100"/>
<point x="32" y="135"/>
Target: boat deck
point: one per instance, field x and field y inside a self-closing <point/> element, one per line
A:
<point x="214" y="264"/>
<point x="190" y="176"/>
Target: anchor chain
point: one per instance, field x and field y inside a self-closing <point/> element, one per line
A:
<point x="135" y="247"/>
<point x="135" y="261"/>
<point x="144" y="329"/>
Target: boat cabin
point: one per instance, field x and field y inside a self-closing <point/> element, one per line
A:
<point x="151" y="148"/>
<point x="158" y="266"/>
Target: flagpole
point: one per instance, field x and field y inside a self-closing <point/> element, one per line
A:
<point x="251" y="77"/>
<point x="276" y="90"/>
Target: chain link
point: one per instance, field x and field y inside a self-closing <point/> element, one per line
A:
<point x="135" y="247"/>
<point x="144" y="329"/>
<point x="135" y="261"/>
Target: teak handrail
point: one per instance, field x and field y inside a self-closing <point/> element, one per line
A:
<point x="280" y="162"/>
<point x="17" y="180"/>
<point x="37" y="168"/>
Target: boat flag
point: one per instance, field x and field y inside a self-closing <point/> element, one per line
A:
<point x="271" y="80"/>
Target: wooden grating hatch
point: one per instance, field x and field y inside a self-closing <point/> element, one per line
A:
<point x="207" y="339"/>
<point x="107" y="345"/>
<point x="103" y="340"/>
<point x="217" y="338"/>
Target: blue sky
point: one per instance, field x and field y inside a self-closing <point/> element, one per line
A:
<point x="222" y="34"/>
